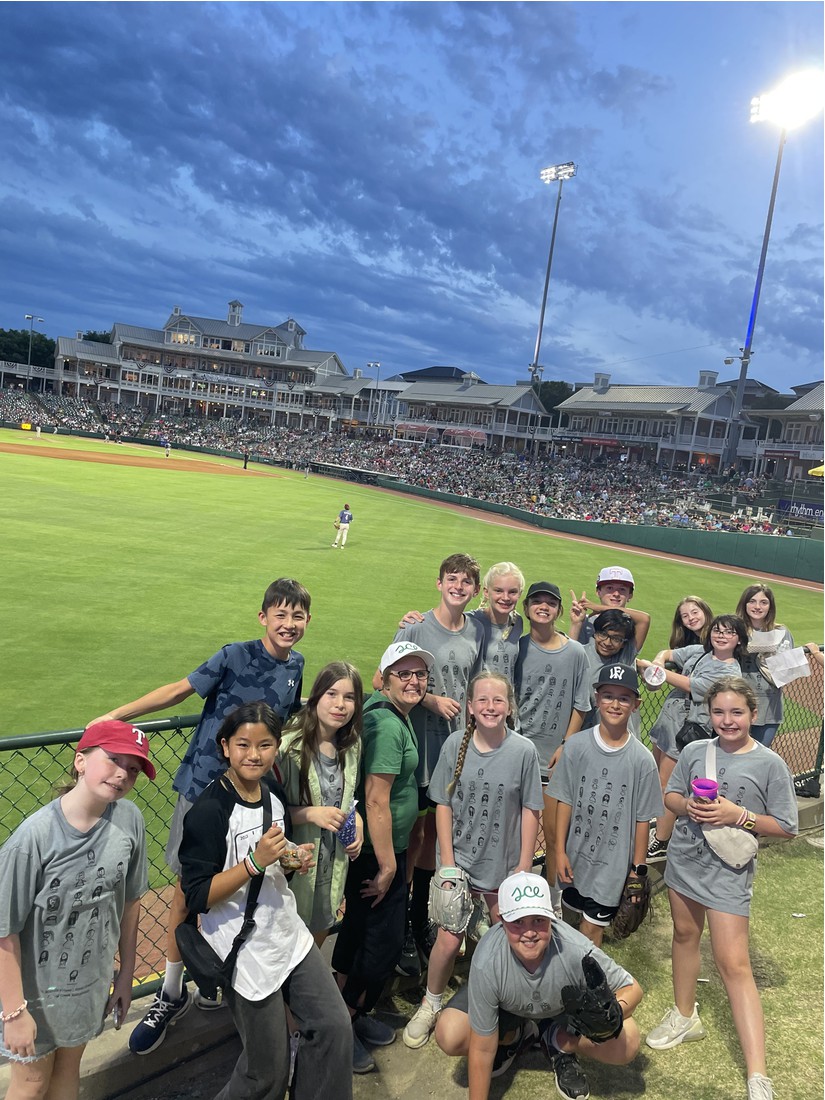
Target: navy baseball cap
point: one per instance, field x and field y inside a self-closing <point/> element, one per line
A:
<point x="543" y="588"/>
<point x="617" y="676"/>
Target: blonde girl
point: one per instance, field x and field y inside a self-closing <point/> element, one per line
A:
<point x="757" y="607"/>
<point x="755" y="793"/>
<point x="71" y="879"/>
<point x="318" y="765"/>
<point x="487" y="790"/>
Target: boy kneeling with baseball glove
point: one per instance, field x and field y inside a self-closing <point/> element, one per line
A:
<point x="541" y="981"/>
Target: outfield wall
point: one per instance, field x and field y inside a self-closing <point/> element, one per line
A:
<point x="757" y="554"/>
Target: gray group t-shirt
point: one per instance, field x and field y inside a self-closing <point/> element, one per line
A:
<point x="759" y="780"/>
<point x="609" y="793"/>
<point x="500" y="646"/>
<point x="487" y="803"/>
<point x="626" y="656"/>
<point x="498" y="981"/>
<point x="63" y="892"/>
<point x="703" y="676"/>
<point x="550" y="684"/>
<point x="457" y="659"/>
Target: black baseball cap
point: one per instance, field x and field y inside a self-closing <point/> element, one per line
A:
<point x="543" y="588"/>
<point x="617" y="676"/>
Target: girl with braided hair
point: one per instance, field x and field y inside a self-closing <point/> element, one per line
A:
<point x="487" y="790"/>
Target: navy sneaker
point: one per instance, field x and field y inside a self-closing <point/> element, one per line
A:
<point x="362" y="1060"/>
<point x="151" y="1031"/>
<point x="373" y="1032"/>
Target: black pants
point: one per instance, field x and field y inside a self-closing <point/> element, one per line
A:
<point x="370" y="940"/>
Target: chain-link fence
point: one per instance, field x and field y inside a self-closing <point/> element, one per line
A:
<point x="34" y="765"/>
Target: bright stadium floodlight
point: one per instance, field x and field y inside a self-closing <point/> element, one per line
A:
<point x="555" y="173"/>
<point x="798" y="99"/>
<point x="558" y="172"/>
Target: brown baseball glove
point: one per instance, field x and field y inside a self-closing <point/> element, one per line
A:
<point x="634" y="906"/>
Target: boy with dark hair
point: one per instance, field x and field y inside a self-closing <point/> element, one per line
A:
<point x="613" y="643"/>
<point x="607" y="786"/>
<point x="552" y="684"/>
<point x="264" y="669"/>
<point x="456" y="640"/>
<point x="614" y="590"/>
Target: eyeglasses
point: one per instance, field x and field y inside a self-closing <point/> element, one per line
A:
<point x="723" y="630"/>
<point x="407" y="674"/>
<point x="614" y="639"/>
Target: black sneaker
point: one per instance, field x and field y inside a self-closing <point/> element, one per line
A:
<point x="409" y="964"/>
<point x="151" y="1031"/>
<point x="506" y="1053"/>
<point x="657" y="850"/>
<point x="571" y="1082"/>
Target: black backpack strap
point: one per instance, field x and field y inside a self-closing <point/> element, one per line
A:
<point x="385" y="704"/>
<point x="254" y="890"/>
<point x="523" y="646"/>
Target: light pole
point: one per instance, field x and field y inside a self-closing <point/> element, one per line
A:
<point x="377" y="368"/>
<point x="40" y="321"/>
<point x="560" y="173"/>
<point x="796" y="100"/>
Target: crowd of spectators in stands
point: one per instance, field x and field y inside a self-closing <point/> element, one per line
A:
<point x="605" y="490"/>
<point x="69" y="412"/>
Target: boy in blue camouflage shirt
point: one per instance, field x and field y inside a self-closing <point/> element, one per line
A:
<point x="266" y="668"/>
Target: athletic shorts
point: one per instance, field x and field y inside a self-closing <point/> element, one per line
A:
<point x="594" y="911"/>
<point x="182" y="808"/>
<point x="507" y="1021"/>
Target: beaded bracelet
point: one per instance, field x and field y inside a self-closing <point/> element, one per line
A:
<point x="6" y="1017"/>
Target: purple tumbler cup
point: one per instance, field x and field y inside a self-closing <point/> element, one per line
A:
<point x="705" y="789"/>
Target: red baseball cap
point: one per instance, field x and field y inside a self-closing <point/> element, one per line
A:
<point x="119" y="737"/>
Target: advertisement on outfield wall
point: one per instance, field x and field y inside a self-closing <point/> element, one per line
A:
<point x="809" y="510"/>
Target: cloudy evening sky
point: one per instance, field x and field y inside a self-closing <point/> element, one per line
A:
<point x="373" y="171"/>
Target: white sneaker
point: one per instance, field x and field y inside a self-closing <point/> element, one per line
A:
<point x="421" y="1026"/>
<point x="759" y="1087"/>
<point x="676" y="1028"/>
<point x="206" y="1004"/>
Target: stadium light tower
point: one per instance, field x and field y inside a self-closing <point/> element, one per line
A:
<point x="377" y="368"/>
<point x="555" y="173"/>
<point x="40" y="321"/>
<point x="798" y="99"/>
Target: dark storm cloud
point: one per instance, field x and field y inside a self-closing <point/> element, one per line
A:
<point x="370" y="169"/>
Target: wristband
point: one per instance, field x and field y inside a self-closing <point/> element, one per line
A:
<point x="7" y="1017"/>
<point x="252" y="868"/>
<point x="743" y="817"/>
<point x="258" y="869"/>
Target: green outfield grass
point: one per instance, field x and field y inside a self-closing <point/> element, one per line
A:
<point x="118" y="579"/>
